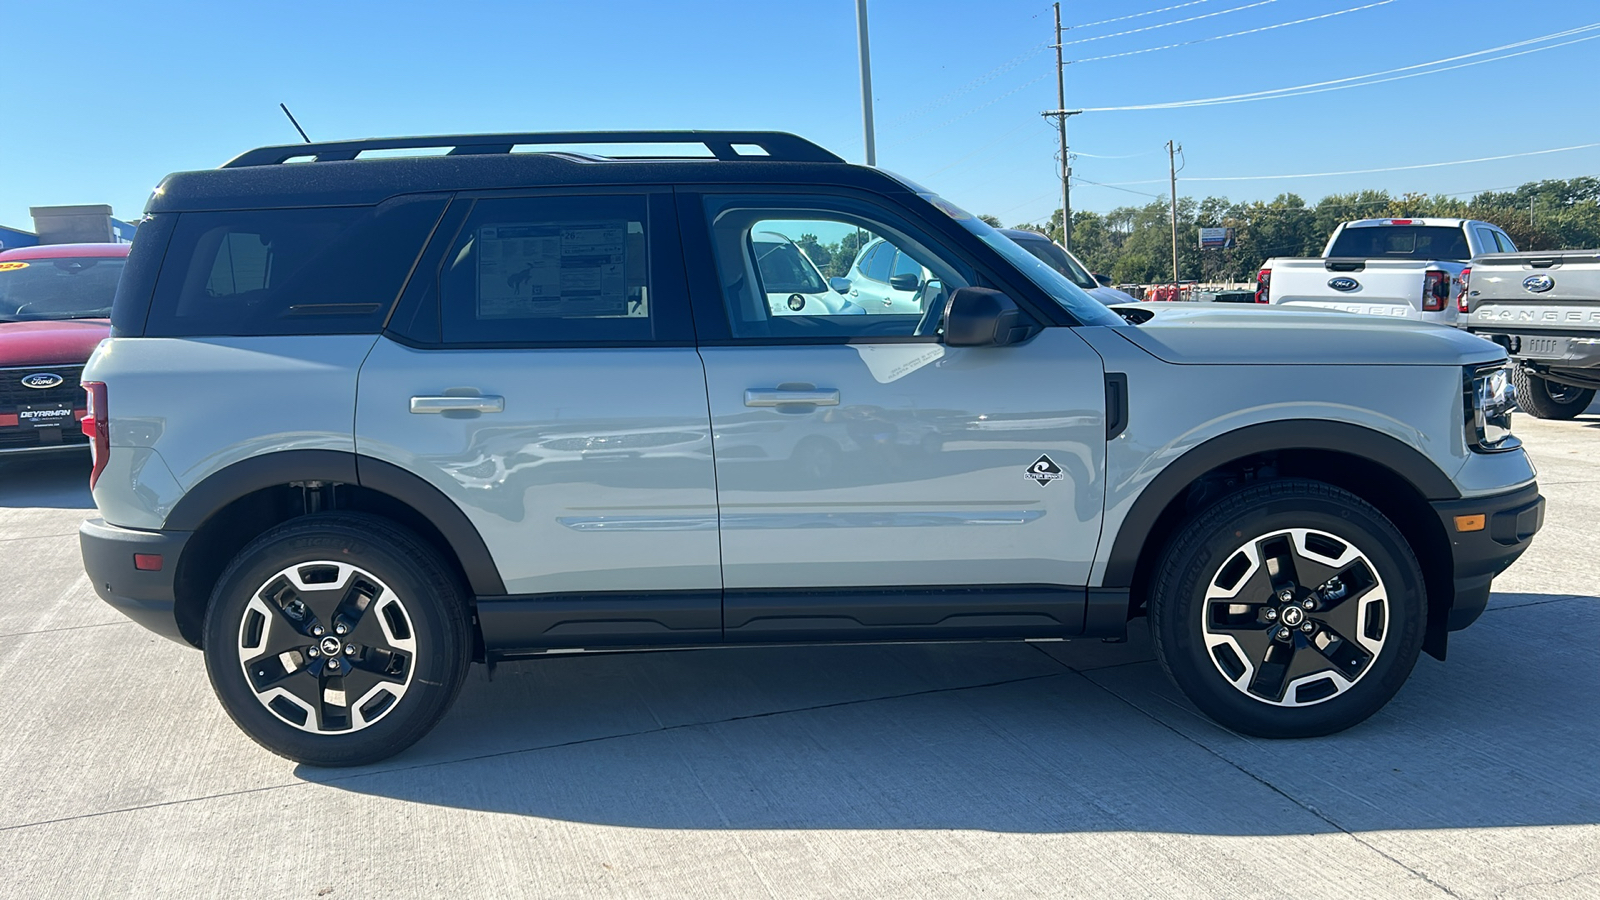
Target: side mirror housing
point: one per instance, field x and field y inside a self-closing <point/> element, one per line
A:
<point x="980" y="317"/>
<point x="1102" y="280"/>
<point x="905" y="281"/>
<point x="841" y="285"/>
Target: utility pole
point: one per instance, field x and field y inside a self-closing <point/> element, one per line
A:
<point x="1061" y="123"/>
<point x="866" y="82"/>
<point x="1172" y="172"/>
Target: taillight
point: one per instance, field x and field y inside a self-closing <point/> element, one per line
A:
<point x="1461" y="298"/>
<point x="1435" y="290"/>
<point x="1264" y="286"/>
<point x="97" y="427"/>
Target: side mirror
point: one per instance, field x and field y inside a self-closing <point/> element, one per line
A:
<point x="1102" y="280"/>
<point x="980" y="317"/>
<point x="842" y="285"/>
<point x="905" y="281"/>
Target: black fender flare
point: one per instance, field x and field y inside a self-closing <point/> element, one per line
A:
<point x="267" y="470"/>
<point x="1289" y="434"/>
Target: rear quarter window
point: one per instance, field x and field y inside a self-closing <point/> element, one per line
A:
<point x="328" y="270"/>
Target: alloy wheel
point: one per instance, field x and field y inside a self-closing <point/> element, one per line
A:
<point x="1295" y="617"/>
<point x="327" y="647"/>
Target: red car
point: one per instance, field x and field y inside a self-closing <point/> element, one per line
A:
<point x="55" y="303"/>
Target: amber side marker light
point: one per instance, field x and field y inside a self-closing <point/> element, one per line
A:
<point x="1470" y="523"/>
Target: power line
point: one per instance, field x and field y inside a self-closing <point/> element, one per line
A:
<point x="1220" y="12"/>
<point x="1116" y="188"/>
<point x="1456" y="162"/>
<point x="1138" y="15"/>
<point x="1236" y="33"/>
<point x="1318" y="87"/>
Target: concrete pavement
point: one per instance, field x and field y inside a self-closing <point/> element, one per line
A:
<point x="1069" y="769"/>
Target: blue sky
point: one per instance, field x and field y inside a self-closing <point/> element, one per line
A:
<point x="99" y="101"/>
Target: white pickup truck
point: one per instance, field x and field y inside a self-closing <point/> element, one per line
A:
<point x="1402" y="268"/>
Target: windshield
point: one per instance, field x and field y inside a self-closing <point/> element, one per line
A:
<point x="1402" y="242"/>
<point x="785" y="271"/>
<point x="1060" y="260"/>
<point x="70" y="288"/>
<point x="1083" y="307"/>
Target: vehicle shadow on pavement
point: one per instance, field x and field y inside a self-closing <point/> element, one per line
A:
<point x="48" y="482"/>
<point x="1003" y="737"/>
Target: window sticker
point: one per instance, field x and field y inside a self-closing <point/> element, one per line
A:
<point x="12" y="266"/>
<point x="543" y="270"/>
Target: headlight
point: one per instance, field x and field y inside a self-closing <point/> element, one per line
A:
<point x="1488" y="401"/>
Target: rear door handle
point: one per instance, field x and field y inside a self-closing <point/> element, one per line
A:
<point x="790" y="398"/>
<point x="421" y="405"/>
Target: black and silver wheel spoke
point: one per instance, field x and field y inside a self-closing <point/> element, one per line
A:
<point x="1294" y="617"/>
<point x="327" y="647"/>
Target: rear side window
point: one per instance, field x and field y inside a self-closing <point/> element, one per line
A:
<point x="331" y="270"/>
<point x="549" y="270"/>
<point x="1402" y="242"/>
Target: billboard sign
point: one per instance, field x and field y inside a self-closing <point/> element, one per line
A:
<point x="1216" y="238"/>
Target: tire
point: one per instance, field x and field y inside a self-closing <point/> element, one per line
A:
<point x="1543" y="399"/>
<point x="1228" y="655"/>
<point x="285" y="671"/>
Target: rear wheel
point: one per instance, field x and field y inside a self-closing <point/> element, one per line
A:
<point x="1544" y="399"/>
<point x="337" y="639"/>
<point x="1289" y="609"/>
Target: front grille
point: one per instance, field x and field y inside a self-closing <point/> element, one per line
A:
<point x="12" y="438"/>
<point x="13" y="395"/>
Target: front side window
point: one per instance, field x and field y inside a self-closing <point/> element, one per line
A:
<point x="64" y="288"/>
<point x="774" y="289"/>
<point x="548" y="270"/>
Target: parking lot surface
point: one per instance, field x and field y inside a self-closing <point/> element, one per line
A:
<point x="877" y="771"/>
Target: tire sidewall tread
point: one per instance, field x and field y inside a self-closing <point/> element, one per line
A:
<point x="1213" y="534"/>
<point x="435" y="600"/>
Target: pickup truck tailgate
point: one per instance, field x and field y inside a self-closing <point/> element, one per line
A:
<point x="1381" y="287"/>
<point x="1550" y="300"/>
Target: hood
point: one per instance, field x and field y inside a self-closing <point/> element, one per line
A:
<point x="1110" y="296"/>
<point x="44" y="343"/>
<point x="1206" y="334"/>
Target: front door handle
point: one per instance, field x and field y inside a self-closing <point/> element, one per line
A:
<point x="420" y="405"/>
<point x="790" y="398"/>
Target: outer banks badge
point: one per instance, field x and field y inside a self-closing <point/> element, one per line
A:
<point x="1043" y="471"/>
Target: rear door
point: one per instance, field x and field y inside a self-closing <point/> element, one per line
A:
<point x="541" y="373"/>
<point x="872" y="482"/>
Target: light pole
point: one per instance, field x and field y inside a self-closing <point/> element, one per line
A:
<point x="866" y="82"/>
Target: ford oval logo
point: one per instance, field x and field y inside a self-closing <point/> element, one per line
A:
<point x="42" y="380"/>
<point x="1344" y="285"/>
<point x="1538" y="284"/>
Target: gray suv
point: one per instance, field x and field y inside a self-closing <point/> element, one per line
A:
<point x="362" y="422"/>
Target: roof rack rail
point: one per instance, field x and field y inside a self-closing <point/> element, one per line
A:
<point x="778" y="146"/>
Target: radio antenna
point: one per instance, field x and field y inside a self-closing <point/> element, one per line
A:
<point x="296" y="124"/>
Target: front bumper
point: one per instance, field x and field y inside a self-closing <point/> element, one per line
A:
<point x="147" y="597"/>
<point x="1510" y="522"/>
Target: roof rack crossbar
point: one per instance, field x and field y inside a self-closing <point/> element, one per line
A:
<point x="779" y="146"/>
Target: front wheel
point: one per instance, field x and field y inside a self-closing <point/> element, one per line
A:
<point x="337" y="639"/>
<point x="1289" y="609"/>
<point x="1545" y="399"/>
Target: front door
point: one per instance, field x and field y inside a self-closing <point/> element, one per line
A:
<point x="873" y="482"/>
